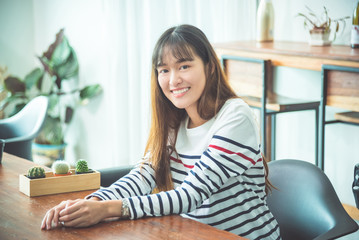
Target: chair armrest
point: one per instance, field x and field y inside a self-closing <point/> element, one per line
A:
<point x="111" y="175"/>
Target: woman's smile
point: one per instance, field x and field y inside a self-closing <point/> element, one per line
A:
<point x="179" y="92"/>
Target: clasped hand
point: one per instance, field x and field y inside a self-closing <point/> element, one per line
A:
<point x="74" y="213"/>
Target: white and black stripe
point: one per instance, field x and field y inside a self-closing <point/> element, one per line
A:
<point x="218" y="178"/>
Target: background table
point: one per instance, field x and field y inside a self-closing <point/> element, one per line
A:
<point x="21" y="216"/>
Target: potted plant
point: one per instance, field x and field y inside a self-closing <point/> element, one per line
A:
<point x="61" y="168"/>
<point x="36" y="172"/>
<point x="82" y="167"/>
<point x="57" y="78"/>
<point x="320" y="27"/>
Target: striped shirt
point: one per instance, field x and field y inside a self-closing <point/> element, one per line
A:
<point x="218" y="177"/>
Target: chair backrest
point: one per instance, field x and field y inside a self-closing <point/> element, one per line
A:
<point x="306" y="205"/>
<point x="19" y="130"/>
<point x="247" y="76"/>
<point x="341" y="87"/>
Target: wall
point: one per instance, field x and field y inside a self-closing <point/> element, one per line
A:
<point x="17" y="36"/>
<point x="23" y="34"/>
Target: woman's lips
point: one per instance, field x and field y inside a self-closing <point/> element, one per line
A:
<point x="180" y="92"/>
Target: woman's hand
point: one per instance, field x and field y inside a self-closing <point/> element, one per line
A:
<point x="53" y="215"/>
<point x="81" y="213"/>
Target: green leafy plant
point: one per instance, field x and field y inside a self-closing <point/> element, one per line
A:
<point x="322" y="23"/>
<point x="57" y="78"/>
<point x="36" y="172"/>
<point x="81" y="166"/>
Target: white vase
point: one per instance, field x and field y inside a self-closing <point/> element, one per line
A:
<point x="319" y="38"/>
<point x="265" y="21"/>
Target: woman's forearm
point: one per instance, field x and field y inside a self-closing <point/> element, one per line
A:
<point x="112" y="208"/>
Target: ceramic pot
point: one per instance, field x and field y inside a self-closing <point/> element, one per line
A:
<point x="319" y="37"/>
<point x="47" y="154"/>
<point x="60" y="175"/>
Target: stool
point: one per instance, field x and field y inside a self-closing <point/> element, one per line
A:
<point x="252" y="80"/>
<point x="339" y="88"/>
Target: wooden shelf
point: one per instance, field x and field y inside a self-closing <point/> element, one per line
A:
<point x="292" y="54"/>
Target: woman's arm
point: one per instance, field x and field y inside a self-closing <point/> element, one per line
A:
<point x="233" y="149"/>
<point x="140" y="181"/>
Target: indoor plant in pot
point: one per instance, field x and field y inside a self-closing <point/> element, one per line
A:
<point x="320" y="26"/>
<point x="57" y="78"/>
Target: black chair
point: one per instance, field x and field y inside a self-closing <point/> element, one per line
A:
<point x="111" y="175"/>
<point x="305" y="203"/>
<point x="252" y="80"/>
<point x="18" y="131"/>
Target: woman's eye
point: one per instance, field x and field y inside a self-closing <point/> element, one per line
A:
<point x="184" y="67"/>
<point x="163" y="71"/>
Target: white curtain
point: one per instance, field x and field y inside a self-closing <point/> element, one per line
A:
<point x="114" y="41"/>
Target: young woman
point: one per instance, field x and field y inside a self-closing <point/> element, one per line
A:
<point x="203" y="154"/>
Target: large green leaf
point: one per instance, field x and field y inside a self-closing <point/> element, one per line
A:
<point x="33" y="78"/>
<point x="69" y="68"/>
<point x="46" y="64"/>
<point x="89" y="92"/>
<point x="17" y="109"/>
<point x="18" y="97"/>
<point x="61" y="52"/>
<point x="59" y="36"/>
<point x="14" y="85"/>
<point x="54" y="106"/>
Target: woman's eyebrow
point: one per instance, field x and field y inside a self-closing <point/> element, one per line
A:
<point x="181" y="60"/>
<point x="184" y="60"/>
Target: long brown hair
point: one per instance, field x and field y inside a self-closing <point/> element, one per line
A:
<point x="183" y="42"/>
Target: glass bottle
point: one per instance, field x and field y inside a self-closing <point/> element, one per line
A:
<point x="265" y="21"/>
<point x="355" y="28"/>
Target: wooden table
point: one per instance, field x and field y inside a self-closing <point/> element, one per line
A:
<point x="21" y="216"/>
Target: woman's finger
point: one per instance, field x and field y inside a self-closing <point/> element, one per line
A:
<point x="52" y="215"/>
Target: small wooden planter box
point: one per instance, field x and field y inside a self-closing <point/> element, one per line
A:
<point x="60" y="184"/>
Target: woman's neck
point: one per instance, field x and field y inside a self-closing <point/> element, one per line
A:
<point x="194" y="119"/>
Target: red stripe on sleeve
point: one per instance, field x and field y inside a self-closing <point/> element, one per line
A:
<point x="230" y="152"/>
<point x="179" y="161"/>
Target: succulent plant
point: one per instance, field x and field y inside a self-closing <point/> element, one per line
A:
<point x="81" y="166"/>
<point x="36" y="172"/>
<point x="60" y="167"/>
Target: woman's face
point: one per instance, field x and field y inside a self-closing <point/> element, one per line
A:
<point x="182" y="80"/>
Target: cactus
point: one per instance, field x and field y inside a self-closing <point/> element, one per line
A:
<point x="81" y="166"/>
<point x="60" y="167"/>
<point x="36" y="172"/>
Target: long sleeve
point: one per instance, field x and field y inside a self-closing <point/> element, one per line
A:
<point x="231" y="151"/>
<point x="140" y="181"/>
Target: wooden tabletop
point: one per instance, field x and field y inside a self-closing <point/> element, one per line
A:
<point x="292" y="54"/>
<point x="21" y="216"/>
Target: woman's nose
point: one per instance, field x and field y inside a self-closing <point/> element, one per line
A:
<point x="175" y="78"/>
